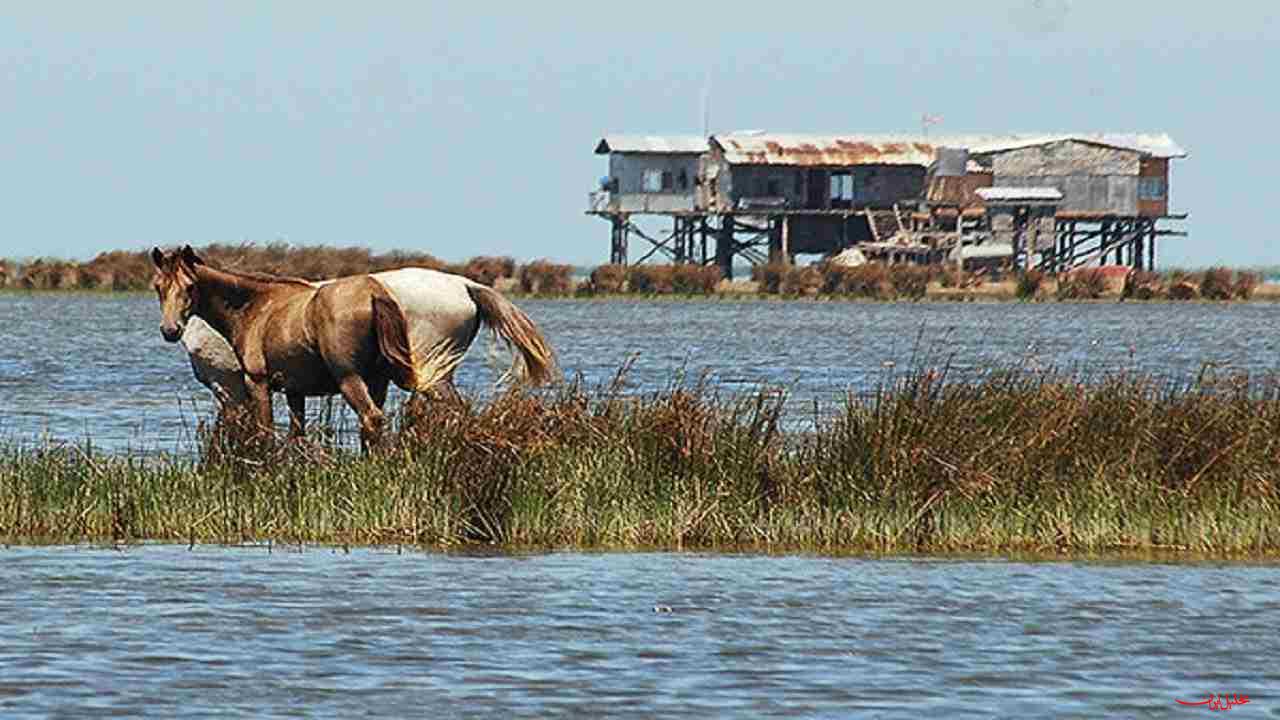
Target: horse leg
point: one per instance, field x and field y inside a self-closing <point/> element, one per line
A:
<point x="260" y="400"/>
<point x="356" y="393"/>
<point x="297" y="415"/>
<point x="450" y="390"/>
<point x="378" y="391"/>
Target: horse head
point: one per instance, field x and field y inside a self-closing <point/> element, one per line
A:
<point x="175" y="284"/>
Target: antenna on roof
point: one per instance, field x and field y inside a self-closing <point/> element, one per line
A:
<point x="706" y="105"/>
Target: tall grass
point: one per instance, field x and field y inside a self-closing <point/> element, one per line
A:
<point x="1216" y="283"/>
<point x="125" y="270"/>
<point x="1016" y="462"/>
<point x="132" y="271"/>
<point x="871" y="280"/>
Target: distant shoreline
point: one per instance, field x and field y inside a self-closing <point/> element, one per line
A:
<point x="130" y="271"/>
<point x="748" y="290"/>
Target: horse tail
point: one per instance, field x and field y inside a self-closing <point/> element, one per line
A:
<point x="511" y="324"/>
<point x="412" y="369"/>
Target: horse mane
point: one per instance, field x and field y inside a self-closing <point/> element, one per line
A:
<point x="267" y="277"/>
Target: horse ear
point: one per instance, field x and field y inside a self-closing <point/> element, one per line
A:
<point x="190" y="257"/>
<point x="157" y="256"/>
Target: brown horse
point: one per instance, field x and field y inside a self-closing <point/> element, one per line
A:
<point x="350" y="336"/>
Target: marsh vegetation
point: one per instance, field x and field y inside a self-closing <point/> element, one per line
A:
<point x="1018" y="462"/>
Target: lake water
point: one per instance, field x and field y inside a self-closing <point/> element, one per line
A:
<point x="163" y="631"/>
<point x="77" y="366"/>
<point x="234" y="632"/>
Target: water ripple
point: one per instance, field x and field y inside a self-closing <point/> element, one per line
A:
<point x="106" y="374"/>
<point x="158" y="631"/>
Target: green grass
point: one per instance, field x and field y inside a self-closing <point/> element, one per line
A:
<point x="1016" y="463"/>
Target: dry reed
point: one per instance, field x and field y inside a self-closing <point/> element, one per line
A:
<point x="1015" y="462"/>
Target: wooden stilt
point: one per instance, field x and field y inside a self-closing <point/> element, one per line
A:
<point x="724" y="247"/>
<point x="618" y="239"/>
<point x="775" y="242"/>
<point x="786" y="240"/>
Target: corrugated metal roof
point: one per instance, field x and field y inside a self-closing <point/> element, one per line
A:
<point x="1006" y="193"/>
<point x="854" y="149"/>
<point x="659" y="144"/>
<point x="770" y="149"/>
<point x="1153" y="144"/>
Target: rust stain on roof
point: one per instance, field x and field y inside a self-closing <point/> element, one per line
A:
<point x="819" y="151"/>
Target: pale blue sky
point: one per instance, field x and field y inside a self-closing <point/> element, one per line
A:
<point x="468" y="128"/>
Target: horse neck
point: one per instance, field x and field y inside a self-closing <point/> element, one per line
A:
<point x="227" y="301"/>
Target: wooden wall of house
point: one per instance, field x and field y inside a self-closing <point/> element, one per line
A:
<point x="629" y="169"/>
<point x="877" y="186"/>
<point x="1091" y="178"/>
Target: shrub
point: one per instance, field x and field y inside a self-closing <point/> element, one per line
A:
<point x="50" y="275"/>
<point x="1181" y="288"/>
<point x="487" y="270"/>
<point x="1143" y="285"/>
<point x="118" y="270"/>
<point x="769" y="276"/>
<point x="798" y="281"/>
<point x="696" y="279"/>
<point x="954" y="277"/>
<point x="1216" y="284"/>
<point x="398" y="259"/>
<point x="912" y="281"/>
<point x="871" y="280"/>
<point x="608" y="279"/>
<point x="1246" y="283"/>
<point x="651" y="279"/>
<point x="1082" y="284"/>
<point x="543" y="277"/>
<point x="1029" y="284"/>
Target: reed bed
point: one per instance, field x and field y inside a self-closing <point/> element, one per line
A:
<point x="132" y="271"/>
<point x="1017" y="462"/>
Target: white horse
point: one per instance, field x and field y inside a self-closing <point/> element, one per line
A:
<point x="444" y="312"/>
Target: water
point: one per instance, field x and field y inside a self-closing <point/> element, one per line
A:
<point x="233" y="632"/>
<point x="77" y="366"/>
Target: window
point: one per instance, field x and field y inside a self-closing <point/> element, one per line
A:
<point x="1151" y="188"/>
<point x="773" y="188"/>
<point x="668" y="181"/>
<point x="841" y="188"/>
<point x="682" y="180"/>
<point x="652" y="181"/>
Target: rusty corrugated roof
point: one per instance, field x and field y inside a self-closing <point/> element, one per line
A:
<point x="657" y="144"/>
<point x="769" y="149"/>
<point x="856" y="149"/>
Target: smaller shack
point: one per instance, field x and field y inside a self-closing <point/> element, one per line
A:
<point x="1099" y="175"/>
<point x="648" y="173"/>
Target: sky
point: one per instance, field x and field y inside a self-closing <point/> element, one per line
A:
<point x="462" y="129"/>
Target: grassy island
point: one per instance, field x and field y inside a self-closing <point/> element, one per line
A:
<point x="1016" y="462"/>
